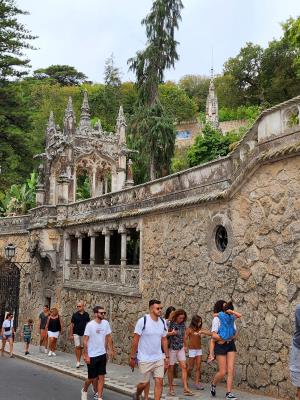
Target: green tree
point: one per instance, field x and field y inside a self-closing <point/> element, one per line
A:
<point x="292" y="33"/>
<point x="153" y="129"/>
<point x="176" y="102"/>
<point x="210" y="145"/>
<point x="14" y="38"/>
<point x="65" y="75"/>
<point x="111" y="73"/>
<point x="196" y="87"/>
<point x="245" y="69"/>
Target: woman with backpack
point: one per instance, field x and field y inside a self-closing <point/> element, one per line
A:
<point x="224" y="350"/>
<point x="177" y="345"/>
<point x="54" y="328"/>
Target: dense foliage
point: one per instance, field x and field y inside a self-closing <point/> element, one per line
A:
<point x="254" y="79"/>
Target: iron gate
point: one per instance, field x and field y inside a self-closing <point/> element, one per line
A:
<point x="9" y="291"/>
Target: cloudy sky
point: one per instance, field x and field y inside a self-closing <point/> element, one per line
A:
<point x="84" y="33"/>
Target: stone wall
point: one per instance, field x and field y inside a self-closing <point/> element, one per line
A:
<point x="253" y="193"/>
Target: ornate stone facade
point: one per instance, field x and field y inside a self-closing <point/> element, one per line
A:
<point x="212" y="108"/>
<point x="226" y="229"/>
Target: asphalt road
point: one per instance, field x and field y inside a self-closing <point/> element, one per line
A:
<point x="22" y="380"/>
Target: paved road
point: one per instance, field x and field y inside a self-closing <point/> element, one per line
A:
<point x="21" y="380"/>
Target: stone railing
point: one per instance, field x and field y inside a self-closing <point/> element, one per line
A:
<point x="41" y="216"/>
<point x="112" y="275"/>
<point x="18" y="224"/>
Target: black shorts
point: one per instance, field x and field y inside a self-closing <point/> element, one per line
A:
<point x="223" y="349"/>
<point x="97" y="366"/>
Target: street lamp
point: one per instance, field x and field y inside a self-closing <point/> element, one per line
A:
<point x="10" y="251"/>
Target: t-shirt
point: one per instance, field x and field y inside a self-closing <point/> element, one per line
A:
<point x="27" y="329"/>
<point x="79" y="320"/>
<point x="296" y="338"/>
<point x="149" y="348"/>
<point x="7" y="327"/>
<point x="97" y="333"/>
<point x="44" y="319"/>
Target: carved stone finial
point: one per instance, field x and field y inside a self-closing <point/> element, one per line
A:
<point x="85" y="112"/>
<point x="129" y="178"/>
<point x="121" y="121"/>
<point x="98" y="126"/>
<point x="69" y="118"/>
<point x="51" y="122"/>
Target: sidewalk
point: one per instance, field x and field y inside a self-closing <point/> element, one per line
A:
<point x="119" y="377"/>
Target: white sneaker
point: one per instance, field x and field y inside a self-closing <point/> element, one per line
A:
<point x="50" y="354"/>
<point x="83" y="395"/>
<point x="53" y="354"/>
<point x="46" y="351"/>
<point x="77" y="364"/>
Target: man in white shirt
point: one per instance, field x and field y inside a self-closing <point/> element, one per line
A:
<point x="151" y="348"/>
<point x="97" y="344"/>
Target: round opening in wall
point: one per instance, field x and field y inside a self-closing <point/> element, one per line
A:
<point x="29" y="289"/>
<point x="221" y="238"/>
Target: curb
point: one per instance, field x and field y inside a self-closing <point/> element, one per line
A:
<point x="110" y="383"/>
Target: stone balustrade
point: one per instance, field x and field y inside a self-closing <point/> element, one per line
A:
<point x="108" y="275"/>
<point x="18" y="224"/>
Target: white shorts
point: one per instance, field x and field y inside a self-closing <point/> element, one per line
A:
<point x="53" y="334"/>
<point x="78" y="341"/>
<point x="195" y="353"/>
<point x="177" y="355"/>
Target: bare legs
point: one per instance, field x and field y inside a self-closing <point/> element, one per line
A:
<point x="78" y="353"/>
<point x="52" y="344"/>
<point x="145" y="387"/>
<point x="183" y="368"/>
<point x="225" y="366"/>
<point x="11" y="346"/>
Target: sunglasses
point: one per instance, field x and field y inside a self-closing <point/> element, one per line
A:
<point x="102" y="312"/>
<point x="78" y="306"/>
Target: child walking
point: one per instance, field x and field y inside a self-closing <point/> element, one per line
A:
<point x="193" y="339"/>
<point x="27" y="332"/>
<point x="224" y="328"/>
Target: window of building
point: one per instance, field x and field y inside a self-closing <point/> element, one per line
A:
<point x="221" y="238"/>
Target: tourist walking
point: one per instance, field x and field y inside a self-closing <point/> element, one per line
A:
<point x="149" y="344"/>
<point x="26" y="334"/>
<point x="43" y="318"/>
<point x="78" y="323"/>
<point x="177" y="344"/>
<point x="8" y="332"/>
<point x="295" y="353"/>
<point x="98" y="345"/>
<point x="225" y="353"/>
<point x="54" y="328"/>
<point x="193" y="339"/>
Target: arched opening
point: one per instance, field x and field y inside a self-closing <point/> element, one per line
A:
<point x="9" y="290"/>
<point x="83" y="185"/>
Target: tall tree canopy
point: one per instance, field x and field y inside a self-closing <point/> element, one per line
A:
<point x="65" y="75"/>
<point x="14" y="38"/>
<point x="156" y="134"/>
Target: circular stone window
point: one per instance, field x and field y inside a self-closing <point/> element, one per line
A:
<point x="221" y="238"/>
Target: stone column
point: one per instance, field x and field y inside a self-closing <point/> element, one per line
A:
<point x="92" y="235"/>
<point x="79" y="247"/>
<point x="67" y="247"/>
<point x="123" y="232"/>
<point x="40" y="195"/>
<point x="107" y="234"/>
<point x="93" y="188"/>
<point x="105" y="184"/>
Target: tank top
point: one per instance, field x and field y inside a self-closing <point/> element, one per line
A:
<point x="54" y="325"/>
<point x="194" y="340"/>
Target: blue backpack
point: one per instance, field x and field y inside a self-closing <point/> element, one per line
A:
<point x="227" y="330"/>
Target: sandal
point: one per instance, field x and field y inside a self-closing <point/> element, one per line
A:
<point x="188" y="393"/>
<point x="171" y="393"/>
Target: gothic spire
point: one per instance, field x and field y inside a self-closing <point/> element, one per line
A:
<point x="69" y="118"/>
<point x="212" y="109"/>
<point x="121" y="121"/>
<point x="85" y="112"/>
<point x="51" y="122"/>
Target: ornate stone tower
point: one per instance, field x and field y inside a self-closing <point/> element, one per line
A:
<point x="77" y="150"/>
<point x="212" y="109"/>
